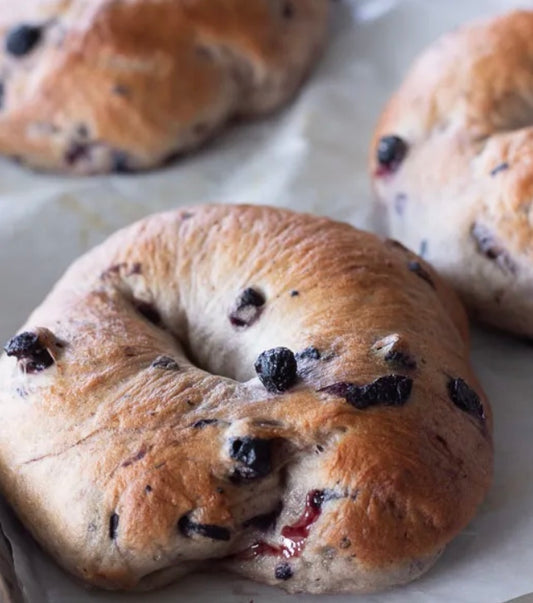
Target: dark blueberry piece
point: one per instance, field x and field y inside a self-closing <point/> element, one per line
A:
<point x="499" y="168"/>
<point x="391" y="152"/>
<point x="120" y="162"/>
<point x="113" y="525"/>
<point x="22" y="39"/>
<point x="310" y="353"/>
<point x="76" y="152"/>
<point x="266" y="521"/>
<point x="465" y="398"/>
<point x="276" y="369"/>
<point x="23" y="345"/>
<point x="283" y="571"/>
<point x="188" y="528"/>
<point x="204" y="423"/>
<point x="416" y="268"/>
<point x="251" y="297"/>
<point x="254" y="456"/>
<point x="400" y="359"/>
<point x="148" y="489"/>
<point x="247" y="308"/>
<point x="29" y="350"/>
<point x="148" y="311"/>
<point x="316" y="499"/>
<point x="391" y="390"/>
<point x="492" y="249"/>
<point x="288" y="10"/>
<point x="295" y="293"/>
<point x="166" y="363"/>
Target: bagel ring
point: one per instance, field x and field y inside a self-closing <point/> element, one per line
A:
<point x="103" y="86"/>
<point x="451" y="163"/>
<point x="273" y="392"/>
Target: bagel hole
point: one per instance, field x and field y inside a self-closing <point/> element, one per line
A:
<point x="198" y="354"/>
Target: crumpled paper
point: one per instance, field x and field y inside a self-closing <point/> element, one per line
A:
<point x="310" y="157"/>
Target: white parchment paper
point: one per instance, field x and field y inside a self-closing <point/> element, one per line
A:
<point x="310" y="157"/>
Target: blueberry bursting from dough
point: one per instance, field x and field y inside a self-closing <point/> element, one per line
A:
<point x="465" y="398"/>
<point x="391" y="390"/>
<point x="276" y="369"/>
<point x="30" y="351"/>
<point x="247" y="308"/>
<point x="391" y="152"/>
<point x="254" y="458"/>
<point x="22" y="39"/>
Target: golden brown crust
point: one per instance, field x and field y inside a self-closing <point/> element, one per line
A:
<point x="463" y="192"/>
<point x="124" y="85"/>
<point x="396" y="483"/>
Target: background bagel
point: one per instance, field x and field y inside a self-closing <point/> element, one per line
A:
<point x="451" y="165"/>
<point x="102" y="86"/>
<point x="278" y="391"/>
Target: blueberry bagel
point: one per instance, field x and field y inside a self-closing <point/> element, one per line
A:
<point x="275" y="393"/>
<point x="88" y="87"/>
<point x="451" y="163"/>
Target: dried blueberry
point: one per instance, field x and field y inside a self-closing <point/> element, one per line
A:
<point x="165" y="363"/>
<point x="295" y="293"/>
<point x="77" y="151"/>
<point x="317" y="499"/>
<point x="276" y="369"/>
<point x="113" y="525"/>
<point x="391" y="390"/>
<point x="30" y="351"/>
<point x="465" y="398"/>
<point x="204" y="423"/>
<point x="254" y="456"/>
<point x="391" y="152"/>
<point x="188" y="528"/>
<point x="310" y="353"/>
<point x="247" y="308"/>
<point x="492" y="249"/>
<point x="265" y="521"/>
<point x="416" y="268"/>
<point x="120" y="162"/>
<point x="283" y="571"/>
<point x="22" y="39"/>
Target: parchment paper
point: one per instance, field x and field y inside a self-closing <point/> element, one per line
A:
<point x="310" y="157"/>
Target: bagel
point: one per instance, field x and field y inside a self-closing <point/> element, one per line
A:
<point x="451" y="165"/>
<point x="277" y="394"/>
<point x="100" y="86"/>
